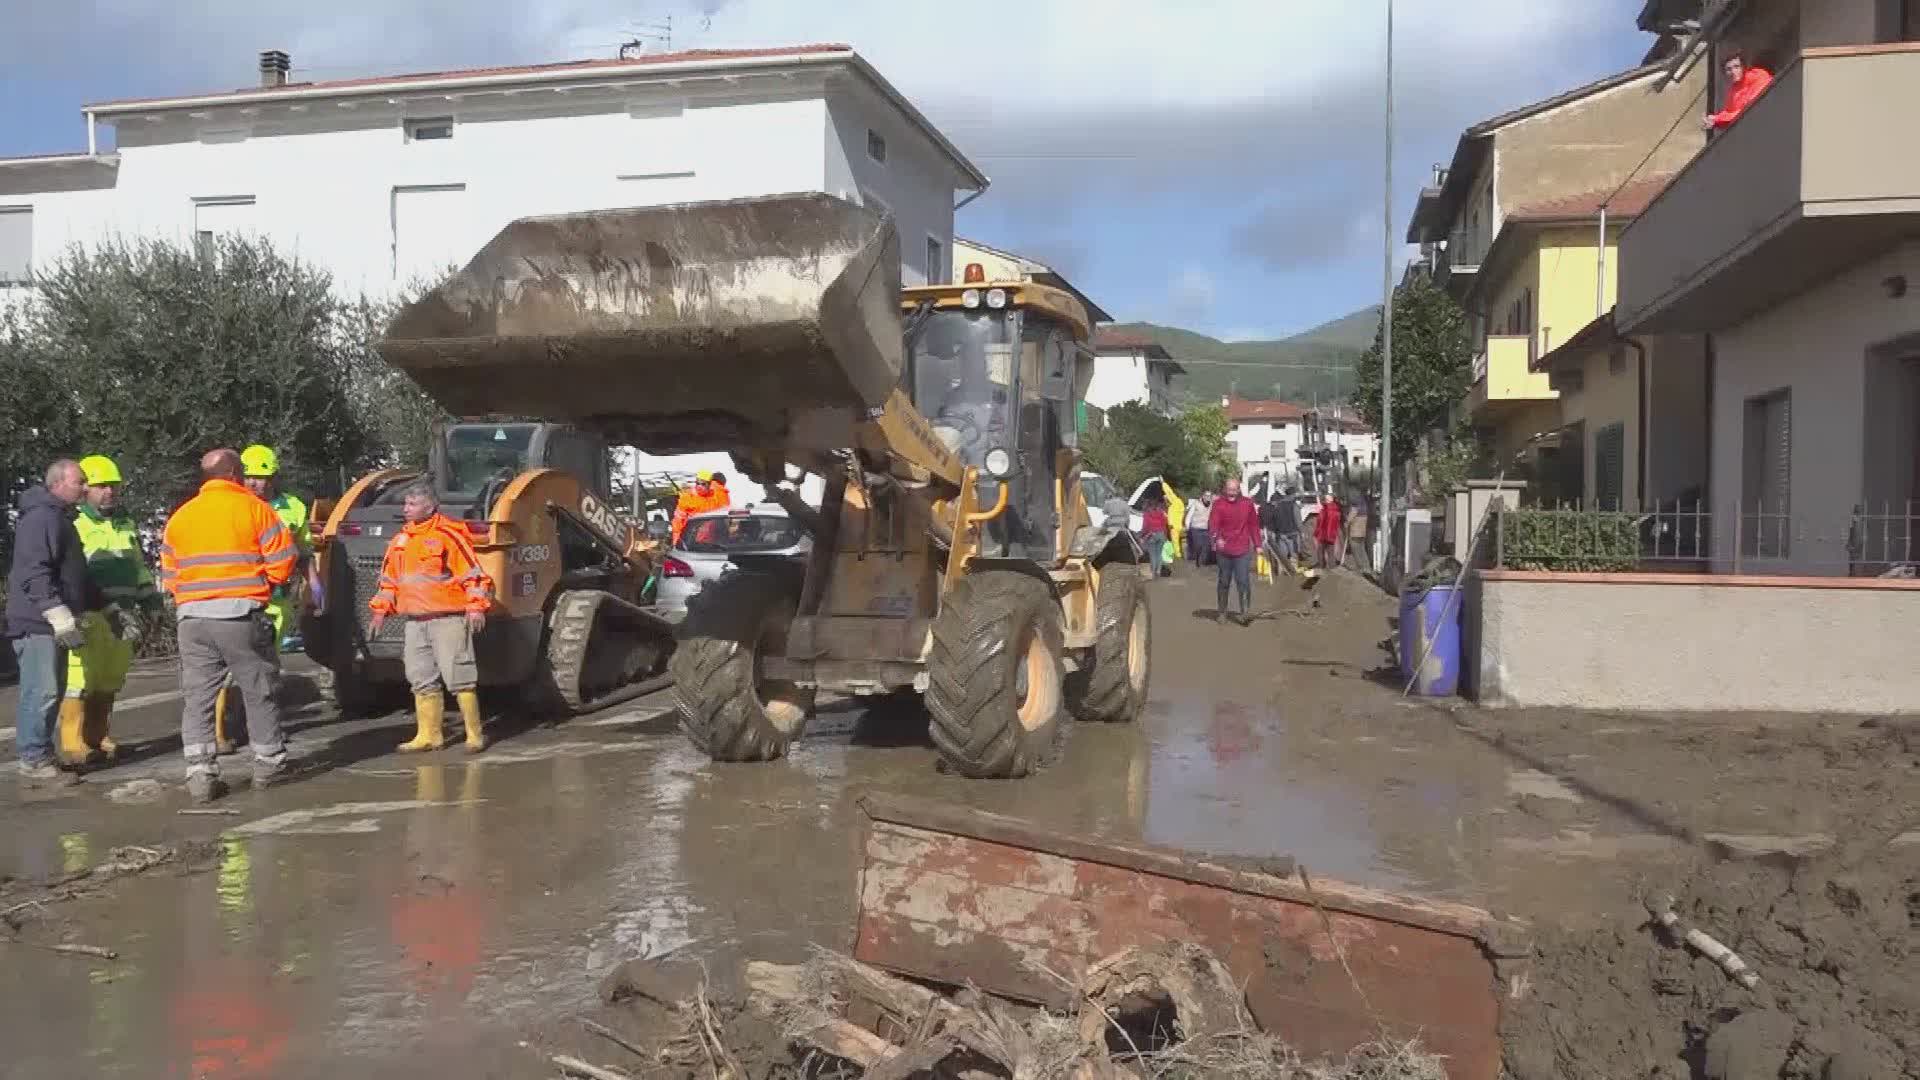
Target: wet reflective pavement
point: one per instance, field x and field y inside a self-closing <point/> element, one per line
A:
<point x="400" y="913"/>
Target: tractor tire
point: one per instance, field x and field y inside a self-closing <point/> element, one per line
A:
<point x="1114" y="687"/>
<point x="726" y="707"/>
<point x="996" y="676"/>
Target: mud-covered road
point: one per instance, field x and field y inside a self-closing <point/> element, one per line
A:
<point x="391" y="914"/>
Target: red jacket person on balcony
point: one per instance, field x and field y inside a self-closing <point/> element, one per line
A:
<point x="1744" y="86"/>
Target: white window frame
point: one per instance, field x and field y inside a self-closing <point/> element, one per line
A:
<point x="203" y="238"/>
<point x="412" y="127"/>
<point x="393" y="217"/>
<point x="939" y="261"/>
<point x="25" y="211"/>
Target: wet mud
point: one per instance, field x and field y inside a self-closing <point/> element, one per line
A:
<point x="391" y="913"/>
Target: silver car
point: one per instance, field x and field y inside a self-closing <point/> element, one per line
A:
<point x="710" y="541"/>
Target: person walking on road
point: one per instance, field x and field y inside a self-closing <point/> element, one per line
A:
<point x="1154" y="533"/>
<point x="221" y="557"/>
<point x="1199" y="549"/>
<point x="1281" y="530"/>
<point x="97" y="671"/>
<point x="1355" y="546"/>
<point x="432" y="579"/>
<point x="48" y="592"/>
<point x="1327" y="535"/>
<point x="1233" y="524"/>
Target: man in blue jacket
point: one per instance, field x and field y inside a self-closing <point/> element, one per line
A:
<point x="48" y="589"/>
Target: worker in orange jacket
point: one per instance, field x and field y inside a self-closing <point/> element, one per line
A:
<point x="221" y="557"/>
<point x="709" y="492"/>
<point x="432" y="579"/>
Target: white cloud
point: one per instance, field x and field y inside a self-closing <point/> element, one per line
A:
<point x="1191" y="294"/>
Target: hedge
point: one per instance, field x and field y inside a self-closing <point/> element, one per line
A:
<point x="1569" y="540"/>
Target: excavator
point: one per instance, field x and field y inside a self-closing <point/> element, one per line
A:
<point x="573" y="630"/>
<point x="953" y="554"/>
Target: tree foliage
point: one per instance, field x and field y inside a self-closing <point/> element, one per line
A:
<point x="1189" y="450"/>
<point x="153" y="352"/>
<point x="1432" y="365"/>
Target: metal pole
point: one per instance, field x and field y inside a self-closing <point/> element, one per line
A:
<point x="1600" y="269"/>
<point x="1384" y="507"/>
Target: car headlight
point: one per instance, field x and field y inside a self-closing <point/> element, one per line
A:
<point x="999" y="463"/>
<point x="996" y="298"/>
<point x="970" y="298"/>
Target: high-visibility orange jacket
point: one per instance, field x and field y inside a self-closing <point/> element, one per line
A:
<point x="691" y="502"/>
<point x="225" y="544"/>
<point x="430" y="569"/>
<point x="1753" y="82"/>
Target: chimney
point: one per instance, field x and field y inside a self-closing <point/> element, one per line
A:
<point x="274" y="66"/>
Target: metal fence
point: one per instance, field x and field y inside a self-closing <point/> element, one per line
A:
<point x="1684" y="536"/>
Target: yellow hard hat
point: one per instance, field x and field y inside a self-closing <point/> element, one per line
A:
<point x="99" y="470"/>
<point x="703" y="474"/>
<point x="260" y="460"/>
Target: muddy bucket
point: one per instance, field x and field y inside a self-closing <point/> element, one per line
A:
<point x="748" y="312"/>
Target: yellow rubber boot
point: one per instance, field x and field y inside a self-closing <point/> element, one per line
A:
<point x="222" y="744"/>
<point x="70" y="734"/>
<point x="99" y="712"/>
<point x="470" y="715"/>
<point x="429" y="712"/>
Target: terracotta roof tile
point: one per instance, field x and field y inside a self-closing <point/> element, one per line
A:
<point x="1246" y="411"/>
<point x="584" y="66"/>
<point x="1636" y="196"/>
<point x="1105" y="338"/>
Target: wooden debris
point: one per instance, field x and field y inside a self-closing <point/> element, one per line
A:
<point x="614" y="1037"/>
<point x="1728" y="960"/>
<point x="207" y="811"/>
<point x="573" y="1066"/>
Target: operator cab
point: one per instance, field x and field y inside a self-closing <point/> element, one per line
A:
<point x="994" y="367"/>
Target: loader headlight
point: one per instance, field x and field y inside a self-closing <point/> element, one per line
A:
<point x="996" y="298"/>
<point x="999" y="463"/>
<point x="970" y="298"/>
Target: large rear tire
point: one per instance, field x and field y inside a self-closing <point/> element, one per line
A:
<point x="1114" y="687"/>
<point x="727" y="707"/>
<point x="996" y="676"/>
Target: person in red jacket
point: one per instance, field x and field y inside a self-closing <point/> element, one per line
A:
<point x="1326" y="533"/>
<point x="1233" y="524"/>
<point x="1744" y="85"/>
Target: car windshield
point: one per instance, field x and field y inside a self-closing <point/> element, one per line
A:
<point x="1097" y="489"/>
<point x="477" y="453"/>
<point x="721" y="534"/>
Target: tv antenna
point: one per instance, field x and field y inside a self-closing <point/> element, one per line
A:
<point x="647" y="37"/>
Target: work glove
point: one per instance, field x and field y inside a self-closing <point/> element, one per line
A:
<point x="127" y="625"/>
<point x="66" y="630"/>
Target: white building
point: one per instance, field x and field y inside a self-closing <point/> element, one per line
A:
<point x="1270" y="434"/>
<point x="389" y="179"/>
<point x="1130" y="366"/>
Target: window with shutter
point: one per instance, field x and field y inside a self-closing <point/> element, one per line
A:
<point x="1767" y="473"/>
<point x="16" y="244"/>
<point x="1610" y="467"/>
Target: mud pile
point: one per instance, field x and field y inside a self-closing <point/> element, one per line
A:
<point x="1835" y="942"/>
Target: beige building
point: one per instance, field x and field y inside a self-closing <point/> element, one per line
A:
<point x="1792" y="244"/>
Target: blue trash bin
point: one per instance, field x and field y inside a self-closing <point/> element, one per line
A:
<point x="1430" y="627"/>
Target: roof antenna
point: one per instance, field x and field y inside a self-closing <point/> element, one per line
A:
<point x="645" y="34"/>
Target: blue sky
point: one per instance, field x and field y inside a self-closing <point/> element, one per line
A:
<point x="1214" y="164"/>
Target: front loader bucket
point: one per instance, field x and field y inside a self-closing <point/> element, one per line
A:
<point x="675" y="328"/>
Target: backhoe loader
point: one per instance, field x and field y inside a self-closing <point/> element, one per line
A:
<point x="953" y="555"/>
<point x="572" y="626"/>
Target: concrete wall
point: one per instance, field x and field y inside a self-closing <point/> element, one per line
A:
<point x="1254" y="441"/>
<point x="1570" y="265"/>
<point x="1119" y="377"/>
<point x="915" y="183"/>
<point x="1595" y="143"/>
<point x="1609" y="393"/>
<point x="1645" y="642"/>
<point x="1816" y="347"/>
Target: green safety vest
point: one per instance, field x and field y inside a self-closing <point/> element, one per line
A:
<point x="293" y="514"/>
<point x="114" y="559"/>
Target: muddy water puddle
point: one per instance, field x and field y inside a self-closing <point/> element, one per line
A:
<point x="400" y="914"/>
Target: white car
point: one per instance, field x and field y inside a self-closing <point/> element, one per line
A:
<point x="711" y="540"/>
<point x="1099" y="491"/>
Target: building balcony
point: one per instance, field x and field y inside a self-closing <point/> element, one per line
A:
<point x="1455" y="267"/>
<point x="1810" y="180"/>
<point x="1503" y="375"/>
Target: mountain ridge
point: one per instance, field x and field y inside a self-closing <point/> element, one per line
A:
<point x="1315" y="365"/>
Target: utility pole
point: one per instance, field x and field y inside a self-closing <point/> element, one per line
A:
<point x="1383" y="508"/>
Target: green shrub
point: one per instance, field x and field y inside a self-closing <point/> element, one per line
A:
<point x="1569" y="540"/>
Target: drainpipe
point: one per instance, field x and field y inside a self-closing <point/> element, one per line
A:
<point x="1640" y="444"/>
<point x="93" y="140"/>
<point x="1600" y="275"/>
<point x="977" y="192"/>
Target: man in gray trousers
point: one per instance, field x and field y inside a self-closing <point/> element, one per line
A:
<point x="222" y="555"/>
